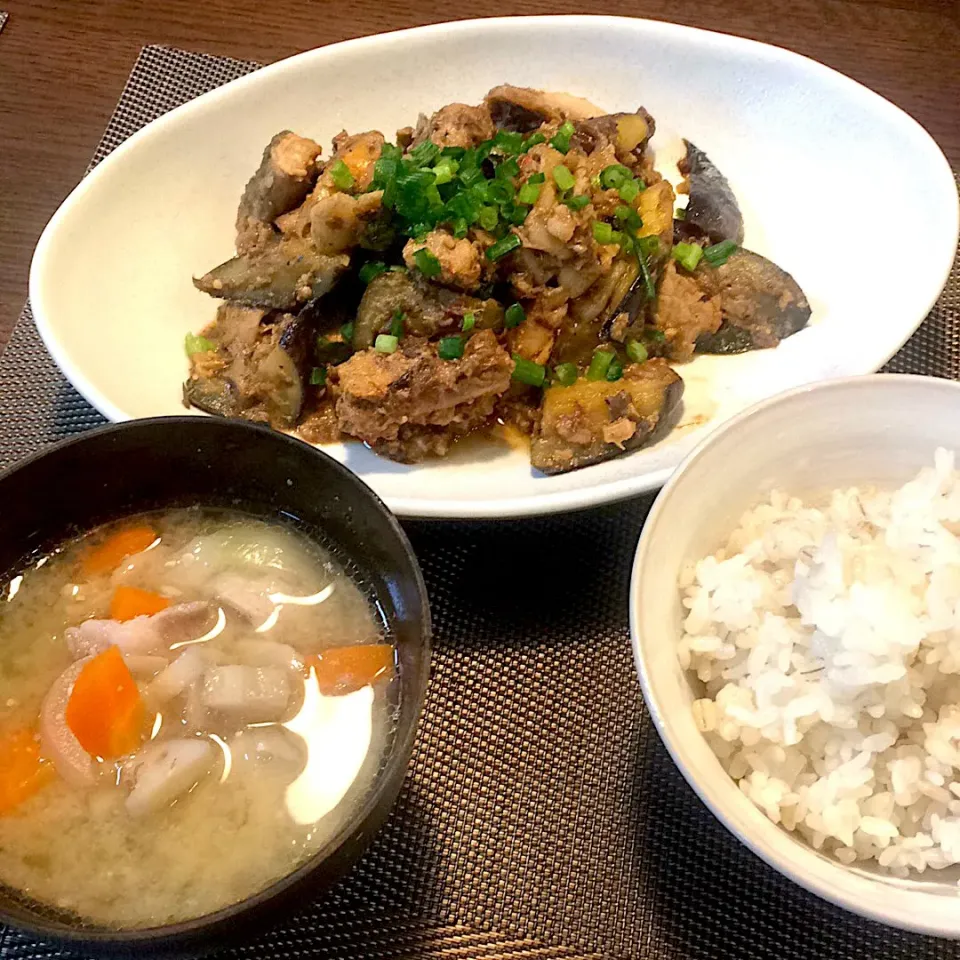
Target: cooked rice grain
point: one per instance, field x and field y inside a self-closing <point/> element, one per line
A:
<point x="827" y="640"/>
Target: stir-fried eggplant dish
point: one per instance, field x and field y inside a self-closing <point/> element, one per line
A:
<point x="516" y="263"/>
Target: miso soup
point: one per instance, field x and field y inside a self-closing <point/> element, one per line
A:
<point x="192" y="703"/>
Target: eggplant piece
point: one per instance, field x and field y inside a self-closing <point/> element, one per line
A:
<point x="286" y="173"/>
<point x="264" y="381"/>
<point x="712" y="212"/>
<point x="427" y="309"/>
<point x="523" y="109"/>
<point x="760" y="304"/>
<point x="594" y="420"/>
<point x="283" y="276"/>
<point x="629" y="133"/>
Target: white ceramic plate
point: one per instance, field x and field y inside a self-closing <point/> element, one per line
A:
<point x="837" y="186"/>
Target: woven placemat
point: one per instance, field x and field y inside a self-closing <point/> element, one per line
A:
<point x="542" y="818"/>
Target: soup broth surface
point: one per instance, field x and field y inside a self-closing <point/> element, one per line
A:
<point x="242" y="673"/>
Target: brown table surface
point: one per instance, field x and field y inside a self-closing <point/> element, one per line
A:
<point x="63" y="65"/>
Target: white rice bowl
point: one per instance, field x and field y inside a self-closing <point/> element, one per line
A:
<point x="826" y="640"/>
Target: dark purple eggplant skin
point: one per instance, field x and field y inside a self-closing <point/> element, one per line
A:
<point x="712" y="212"/>
<point x="760" y="302"/>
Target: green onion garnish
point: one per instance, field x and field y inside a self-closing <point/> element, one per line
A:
<point x="628" y="190"/>
<point x="537" y="178"/>
<point x="595" y="182"/>
<point x="636" y="351"/>
<point x="656" y="336"/>
<point x="340" y="175"/>
<point x="528" y="193"/>
<point x="614" y="371"/>
<point x="508" y="142"/>
<point x="372" y="269"/>
<point x="649" y="246"/>
<point x="346" y="331"/>
<point x="459" y="228"/>
<point x="647" y="278"/>
<point x="427" y="263"/>
<point x="193" y="343"/>
<point x="565" y="374"/>
<point x="501" y="191"/>
<point x="719" y="253"/>
<point x="509" y="168"/>
<point x="385" y="343"/>
<point x="469" y="322"/>
<point x="561" y="139"/>
<point x="680" y="213"/>
<point x="687" y="255"/>
<point x="563" y="177"/>
<point x="514" y="316"/>
<point x="318" y="376"/>
<point x="503" y="246"/>
<point x="628" y="216"/>
<point x="450" y="348"/>
<point x="488" y="218"/>
<point x="528" y="372"/>
<point x="602" y="232"/>
<point x="614" y="176"/>
<point x="396" y="324"/>
<point x="456" y="152"/>
<point x="578" y="202"/>
<point x="425" y="153"/>
<point x="532" y="141"/>
<point x="445" y="170"/>
<point x="599" y="365"/>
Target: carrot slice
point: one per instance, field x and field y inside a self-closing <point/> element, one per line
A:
<point x="130" y="602"/>
<point x="105" y="710"/>
<point x="116" y="548"/>
<point x="23" y="772"/>
<point x="342" y="670"/>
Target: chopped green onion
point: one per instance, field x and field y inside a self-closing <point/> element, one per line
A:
<point x="503" y="246"/>
<point x="528" y="372"/>
<point x="396" y="324"/>
<point x="649" y="246"/>
<point x="445" y="170"/>
<point x="602" y="232"/>
<point x="614" y="371"/>
<point x="385" y="343"/>
<point x="529" y="193"/>
<point x="595" y="182"/>
<point x="450" y="348"/>
<point x="628" y="216"/>
<point x="719" y="253"/>
<point x="516" y="215"/>
<point x="508" y="142"/>
<point x="563" y="177"/>
<point x="599" y="364"/>
<point x="629" y="190"/>
<point x="469" y="322"/>
<point x="372" y="269"/>
<point x="427" y="263"/>
<point x="346" y="331"/>
<point x="459" y="228"/>
<point x="509" y="168"/>
<point x="561" y="139"/>
<point x="425" y="153"/>
<point x="578" y="202"/>
<point x="397" y="268"/>
<point x="193" y="343"/>
<point x="340" y="175"/>
<point x="488" y="218"/>
<point x="470" y="176"/>
<point x="501" y="191"/>
<point x="647" y="278"/>
<point x="514" y="316"/>
<point x="318" y="376"/>
<point x="656" y="336"/>
<point x="532" y="141"/>
<point x="565" y="374"/>
<point x="687" y="255"/>
<point x="680" y="213"/>
<point x="614" y="176"/>
<point x="457" y="153"/>
<point x="537" y="178"/>
<point x="636" y="351"/>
